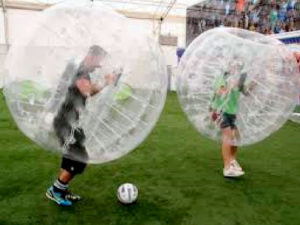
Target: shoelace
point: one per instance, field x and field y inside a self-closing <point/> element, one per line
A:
<point x="72" y="196"/>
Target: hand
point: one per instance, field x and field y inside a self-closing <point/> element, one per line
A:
<point x="214" y="116"/>
<point x="84" y="86"/>
<point x="110" y="79"/>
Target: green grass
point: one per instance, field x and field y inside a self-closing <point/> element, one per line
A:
<point x="297" y="109"/>
<point x="177" y="171"/>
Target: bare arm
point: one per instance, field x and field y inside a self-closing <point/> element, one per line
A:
<point x="87" y="88"/>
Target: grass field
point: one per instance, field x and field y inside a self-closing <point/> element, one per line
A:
<point x="177" y="171"/>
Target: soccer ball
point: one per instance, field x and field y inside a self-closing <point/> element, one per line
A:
<point x="127" y="193"/>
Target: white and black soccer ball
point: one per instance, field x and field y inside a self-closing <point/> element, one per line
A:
<point x="127" y="193"/>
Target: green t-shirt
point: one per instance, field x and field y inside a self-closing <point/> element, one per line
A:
<point x="232" y="101"/>
<point x="228" y="103"/>
<point x="217" y="102"/>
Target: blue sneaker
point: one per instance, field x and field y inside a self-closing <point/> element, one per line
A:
<point x="57" y="197"/>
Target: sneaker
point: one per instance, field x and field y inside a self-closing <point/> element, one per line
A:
<point x="232" y="172"/>
<point x="72" y="197"/>
<point x="57" y="197"/>
<point x="236" y="165"/>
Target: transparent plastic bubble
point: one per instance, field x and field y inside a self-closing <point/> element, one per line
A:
<point x="295" y="117"/>
<point x="238" y="79"/>
<point x="71" y="47"/>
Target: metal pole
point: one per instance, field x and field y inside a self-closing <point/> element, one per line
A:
<point x="5" y="23"/>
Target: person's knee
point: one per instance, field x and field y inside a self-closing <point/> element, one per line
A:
<point x="72" y="166"/>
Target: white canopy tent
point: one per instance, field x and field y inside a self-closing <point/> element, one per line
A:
<point x="149" y="12"/>
<point x="153" y="7"/>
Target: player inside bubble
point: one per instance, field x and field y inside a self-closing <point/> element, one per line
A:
<point x="225" y="101"/>
<point x="225" y="105"/>
<point x="90" y="84"/>
<point x="295" y="116"/>
<point x="69" y="133"/>
<point x="237" y="87"/>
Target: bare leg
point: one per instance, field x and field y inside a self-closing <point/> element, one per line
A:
<point x="234" y="152"/>
<point x="235" y="136"/>
<point x="226" y="146"/>
<point x="65" y="176"/>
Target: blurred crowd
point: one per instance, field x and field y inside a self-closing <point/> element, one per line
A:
<point x="264" y="16"/>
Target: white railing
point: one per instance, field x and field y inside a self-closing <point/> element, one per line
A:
<point x="284" y="35"/>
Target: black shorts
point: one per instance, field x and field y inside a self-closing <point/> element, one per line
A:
<point x="228" y="120"/>
<point x="72" y="166"/>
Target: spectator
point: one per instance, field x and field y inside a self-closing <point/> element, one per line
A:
<point x="265" y="16"/>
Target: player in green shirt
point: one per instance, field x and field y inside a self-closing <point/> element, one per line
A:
<point x="225" y="104"/>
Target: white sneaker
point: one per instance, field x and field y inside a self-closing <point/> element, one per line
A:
<point x="236" y="165"/>
<point x="232" y="172"/>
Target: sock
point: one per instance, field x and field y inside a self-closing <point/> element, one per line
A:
<point x="60" y="186"/>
